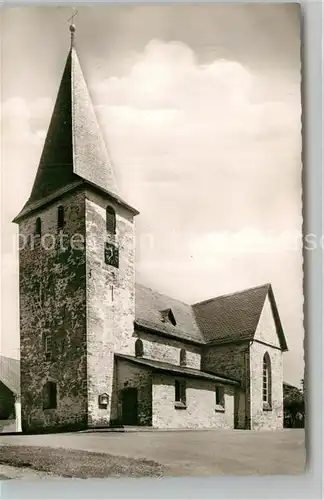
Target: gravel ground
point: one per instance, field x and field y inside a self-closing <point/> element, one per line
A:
<point x="9" y="472"/>
<point x="76" y="463"/>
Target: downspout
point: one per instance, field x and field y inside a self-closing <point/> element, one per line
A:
<point x="18" y="412"/>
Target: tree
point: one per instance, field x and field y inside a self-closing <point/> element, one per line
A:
<point x="294" y="406"/>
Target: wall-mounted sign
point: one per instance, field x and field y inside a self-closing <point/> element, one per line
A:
<point x="103" y="400"/>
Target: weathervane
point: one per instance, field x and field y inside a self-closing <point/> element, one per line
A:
<point x="72" y="26"/>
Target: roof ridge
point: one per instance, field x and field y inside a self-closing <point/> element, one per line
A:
<point x="164" y="294"/>
<point x="231" y="294"/>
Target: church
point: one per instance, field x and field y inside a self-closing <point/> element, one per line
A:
<point x="99" y="350"/>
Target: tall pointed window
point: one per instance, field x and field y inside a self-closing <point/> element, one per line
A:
<point x="266" y="379"/>
<point x="110" y="220"/>
<point x="60" y="217"/>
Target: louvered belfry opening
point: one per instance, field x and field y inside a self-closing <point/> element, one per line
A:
<point x="110" y="220"/>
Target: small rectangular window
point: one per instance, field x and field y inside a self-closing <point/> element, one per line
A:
<point x="38" y="226"/>
<point x="49" y="396"/>
<point x="180" y="392"/>
<point x="219" y="396"/>
<point x="60" y="217"/>
<point x="48" y="346"/>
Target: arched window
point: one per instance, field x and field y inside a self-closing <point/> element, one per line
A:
<point x="110" y="220"/>
<point x="266" y="388"/>
<point x="139" y="349"/>
<point x="183" y="357"/>
<point x="60" y="217"/>
<point x="38" y="226"/>
<point x="49" y="396"/>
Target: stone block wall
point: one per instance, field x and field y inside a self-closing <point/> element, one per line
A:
<point x="266" y="419"/>
<point x="200" y="411"/>
<point x="266" y="330"/>
<point x="53" y="303"/>
<point x="233" y="361"/>
<point x="266" y="340"/>
<point x="110" y="302"/>
<point x="131" y="375"/>
<point x="168" y="350"/>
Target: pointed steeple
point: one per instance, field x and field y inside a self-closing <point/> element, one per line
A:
<point x="74" y="151"/>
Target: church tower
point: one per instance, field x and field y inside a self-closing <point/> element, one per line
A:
<point x="77" y="271"/>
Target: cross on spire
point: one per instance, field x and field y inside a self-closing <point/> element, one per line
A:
<point x="72" y="26"/>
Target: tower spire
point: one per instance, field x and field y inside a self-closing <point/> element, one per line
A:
<point x="74" y="150"/>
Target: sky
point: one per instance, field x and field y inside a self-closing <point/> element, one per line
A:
<point x="200" y="108"/>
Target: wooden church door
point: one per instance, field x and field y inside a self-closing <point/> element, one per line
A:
<point x="129" y="406"/>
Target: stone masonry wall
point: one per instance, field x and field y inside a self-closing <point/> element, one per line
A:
<point x="266" y="332"/>
<point x="52" y="302"/>
<point x="167" y="350"/>
<point x="232" y="360"/>
<point x="131" y="375"/>
<point x="110" y="303"/>
<point x="200" y="401"/>
<point x="263" y="419"/>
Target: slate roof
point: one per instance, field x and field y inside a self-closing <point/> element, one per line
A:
<point x="234" y="316"/>
<point x="149" y="306"/>
<point x="74" y="149"/>
<point x="10" y="373"/>
<point x="227" y="318"/>
<point x="161" y="366"/>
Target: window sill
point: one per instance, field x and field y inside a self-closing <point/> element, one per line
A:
<point x="219" y="409"/>
<point x="266" y="407"/>
<point x="180" y="406"/>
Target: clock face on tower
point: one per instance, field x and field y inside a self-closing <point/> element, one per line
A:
<point x="111" y="255"/>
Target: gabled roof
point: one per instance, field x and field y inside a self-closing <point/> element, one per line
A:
<point x="10" y="373"/>
<point x="161" y="366"/>
<point x="227" y="318"/>
<point x="148" y="307"/>
<point x="74" y="148"/>
<point x="231" y="317"/>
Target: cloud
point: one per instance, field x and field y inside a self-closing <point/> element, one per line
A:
<point x="23" y="127"/>
<point x="209" y="154"/>
<point x="183" y="130"/>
